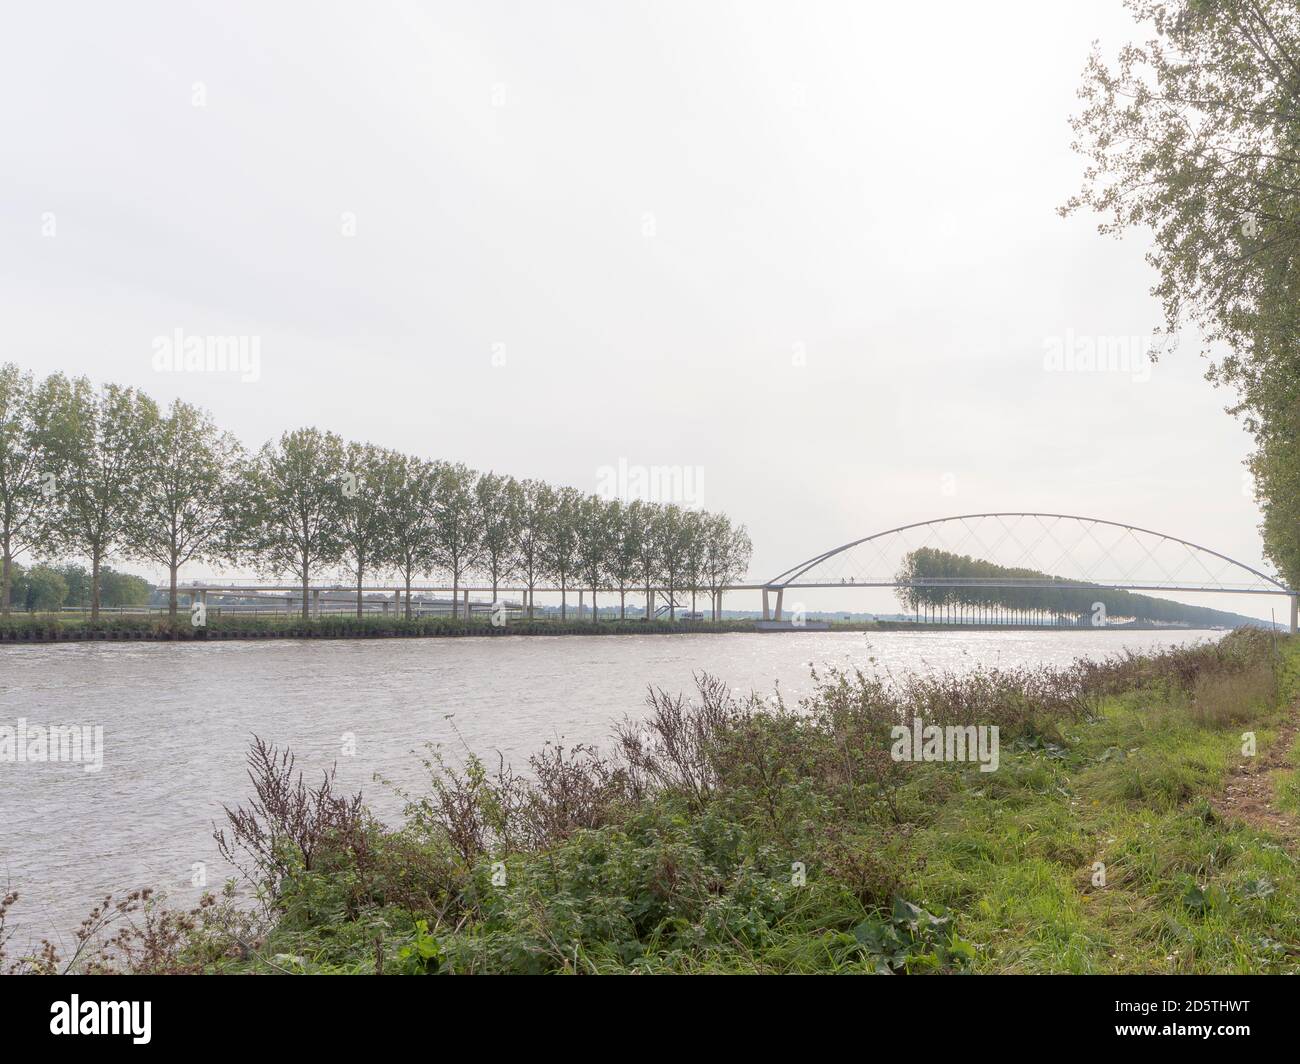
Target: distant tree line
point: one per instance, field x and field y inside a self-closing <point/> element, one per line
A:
<point x="48" y="588"/>
<point x="102" y="472"/>
<point x="1025" y="605"/>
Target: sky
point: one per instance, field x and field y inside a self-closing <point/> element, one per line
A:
<point x="805" y="255"/>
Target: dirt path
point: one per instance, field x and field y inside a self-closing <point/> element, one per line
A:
<point x="1249" y="794"/>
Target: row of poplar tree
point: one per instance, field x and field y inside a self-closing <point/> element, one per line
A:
<point x="1033" y="604"/>
<point x="102" y="472"/>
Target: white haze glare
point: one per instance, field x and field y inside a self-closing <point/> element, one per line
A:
<point x="811" y="248"/>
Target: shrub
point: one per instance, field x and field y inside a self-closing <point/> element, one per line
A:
<point x="289" y="828"/>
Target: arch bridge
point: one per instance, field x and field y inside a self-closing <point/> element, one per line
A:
<point x="1024" y="550"/>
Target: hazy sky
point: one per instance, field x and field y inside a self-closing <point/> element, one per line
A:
<point x="810" y="248"/>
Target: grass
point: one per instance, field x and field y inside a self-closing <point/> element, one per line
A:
<point x="1024" y="868"/>
<point x="726" y="836"/>
<point x="1183" y="891"/>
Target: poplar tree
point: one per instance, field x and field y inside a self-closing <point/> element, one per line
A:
<point x="98" y="445"/>
<point x="363" y="528"/>
<point x="561" y="542"/>
<point x="498" y="511"/>
<point x="458" y="538"/>
<point x="409" y="501"/>
<point x="25" y="506"/>
<point x="291" y="499"/>
<point x="534" y="502"/>
<point x="184" y="499"/>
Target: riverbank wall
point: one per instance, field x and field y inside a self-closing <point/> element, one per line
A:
<point x="40" y="630"/>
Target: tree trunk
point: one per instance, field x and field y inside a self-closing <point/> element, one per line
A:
<point x="408" y="594"/>
<point x="360" y="573"/>
<point x="94" y="585"/>
<point x="171" y="599"/>
<point x="6" y="582"/>
<point x="564" y="606"/>
<point x="306" y="604"/>
<point x="455" y="594"/>
<point x="622" y="605"/>
<point x="595" y="618"/>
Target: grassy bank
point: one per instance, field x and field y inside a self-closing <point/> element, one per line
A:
<point x="727" y="835"/>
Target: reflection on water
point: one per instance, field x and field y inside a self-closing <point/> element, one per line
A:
<point x="177" y="720"/>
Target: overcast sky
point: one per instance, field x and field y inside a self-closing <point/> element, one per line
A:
<point x="809" y="248"/>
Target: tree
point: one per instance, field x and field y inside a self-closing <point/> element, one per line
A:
<point x="534" y="503"/>
<point x="292" y="495"/>
<point x="498" y="512"/>
<point x="458" y="542"/>
<point x="594" y="527"/>
<point x="45" y="590"/>
<point x="561" y="544"/>
<point x="409" y="501"/>
<point x="184" y="501"/>
<point x="77" y="580"/>
<point x="363" y="528"/>
<point x="1194" y="136"/>
<point x="24" y="505"/>
<point x="98" y="443"/>
<point x="1026" y="595"/>
<point x="645" y="532"/>
<point x="740" y="552"/>
<point x="694" y="550"/>
<point x="1277" y="489"/>
<point x="672" y="531"/>
<point x="627" y="524"/>
<point x="123" y="589"/>
<point x="726" y="557"/>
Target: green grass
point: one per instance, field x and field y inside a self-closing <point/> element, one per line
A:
<point x="1182" y="890"/>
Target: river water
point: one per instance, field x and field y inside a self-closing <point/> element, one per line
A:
<point x="177" y="720"/>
